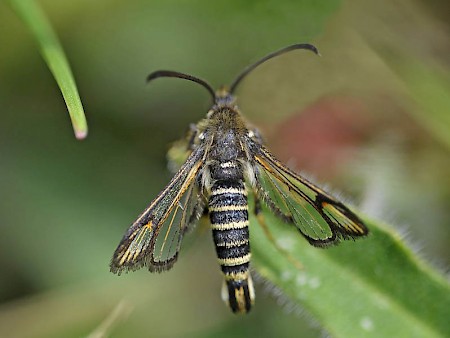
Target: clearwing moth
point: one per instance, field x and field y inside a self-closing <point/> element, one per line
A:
<point x="227" y="160"/>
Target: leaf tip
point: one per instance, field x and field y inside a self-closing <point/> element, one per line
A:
<point x="81" y="134"/>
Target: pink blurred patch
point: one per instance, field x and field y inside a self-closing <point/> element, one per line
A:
<point x="323" y="138"/>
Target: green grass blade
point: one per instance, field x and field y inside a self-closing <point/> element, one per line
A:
<point x="54" y="56"/>
<point x="374" y="287"/>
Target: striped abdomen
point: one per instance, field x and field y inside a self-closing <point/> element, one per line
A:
<point x="228" y="210"/>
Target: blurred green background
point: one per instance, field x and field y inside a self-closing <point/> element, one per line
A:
<point x="371" y="118"/>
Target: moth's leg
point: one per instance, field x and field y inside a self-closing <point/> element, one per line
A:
<point x="262" y="222"/>
<point x="197" y="213"/>
<point x="200" y="209"/>
<point x="204" y="226"/>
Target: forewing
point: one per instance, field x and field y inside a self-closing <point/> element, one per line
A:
<point x="154" y="239"/>
<point x="318" y="216"/>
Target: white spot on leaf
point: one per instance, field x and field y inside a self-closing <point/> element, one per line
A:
<point x="301" y="279"/>
<point x="286" y="275"/>
<point x="314" y="282"/>
<point x="286" y="243"/>
<point x="366" y="323"/>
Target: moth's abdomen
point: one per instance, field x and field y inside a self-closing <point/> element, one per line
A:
<point x="228" y="210"/>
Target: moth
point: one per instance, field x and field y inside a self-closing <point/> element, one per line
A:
<point x="226" y="161"/>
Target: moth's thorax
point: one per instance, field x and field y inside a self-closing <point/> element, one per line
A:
<point x="221" y="112"/>
<point x="229" y="134"/>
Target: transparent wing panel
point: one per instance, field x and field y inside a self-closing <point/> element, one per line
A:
<point x="319" y="217"/>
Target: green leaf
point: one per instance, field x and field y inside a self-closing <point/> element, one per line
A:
<point x="373" y="287"/>
<point x="54" y="56"/>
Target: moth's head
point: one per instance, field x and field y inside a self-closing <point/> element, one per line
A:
<point x="223" y="97"/>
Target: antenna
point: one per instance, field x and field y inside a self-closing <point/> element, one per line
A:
<point x="169" y="73"/>
<point x="268" y="57"/>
